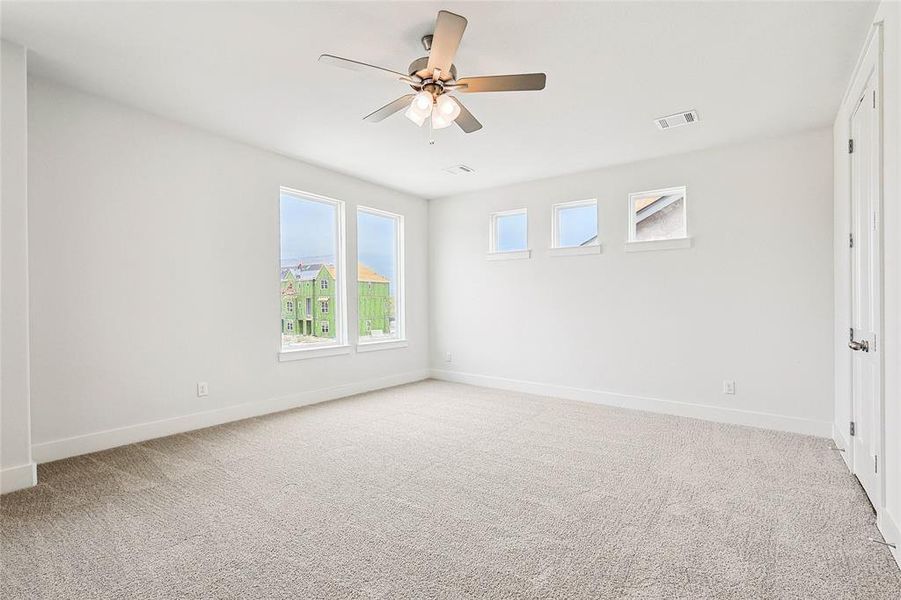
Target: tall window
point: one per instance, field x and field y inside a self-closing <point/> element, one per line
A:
<point x="658" y="215"/>
<point x="575" y="224"/>
<point x="380" y="275"/>
<point x="312" y="248"/>
<point x="509" y="231"/>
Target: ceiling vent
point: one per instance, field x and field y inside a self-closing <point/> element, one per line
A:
<point x="677" y="120"/>
<point x="460" y="170"/>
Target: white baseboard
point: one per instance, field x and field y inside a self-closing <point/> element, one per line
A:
<point x="18" y="478"/>
<point x="111" y="438"/>
<point x="669" y="407"/>
<point x="890" y="533"/>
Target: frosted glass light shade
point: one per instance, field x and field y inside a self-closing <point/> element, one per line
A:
<point x="439" y="121"/>
<point x="415" y="115"/>
<point x="447" y="108"/>
<point x="423" y="101"/>
<point x="420" y="108"/>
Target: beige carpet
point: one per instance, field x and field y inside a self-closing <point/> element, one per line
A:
<point x="437" y="490"/>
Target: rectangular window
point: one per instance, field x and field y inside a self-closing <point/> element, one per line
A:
<point x="380" y="275"/>
<point x="658" y="215"/>
<point x="509" y="231"/>
<point x="312" y="249"/>
<point x="575" y="224"/>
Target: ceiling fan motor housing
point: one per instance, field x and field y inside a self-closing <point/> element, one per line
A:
<point x="419" y="67"/>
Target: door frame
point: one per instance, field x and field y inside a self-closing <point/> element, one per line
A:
<point x="870" y="63"/>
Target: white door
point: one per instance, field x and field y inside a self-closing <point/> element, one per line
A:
<point x="864" y="339"/>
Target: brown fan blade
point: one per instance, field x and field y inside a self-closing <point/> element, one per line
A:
<point x="465" y="120"/>
<point x="355" y="65"/>
<point x="389" y="109"/>
<point x="445" y="41"/>
<point x="502" y="83"/>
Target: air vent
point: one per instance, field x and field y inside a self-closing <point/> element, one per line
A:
<point x="677" y="120"/>
<point x="460" y="170"/>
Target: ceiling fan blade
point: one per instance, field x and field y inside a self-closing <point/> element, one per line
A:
<point x="445" y="41"/>
<point x="355" y="65"/>
<point x="465" y="120"/>
<point x="502" y="83"/>
<point x="389" y="109"/>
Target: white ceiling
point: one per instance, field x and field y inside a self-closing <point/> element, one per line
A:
<point x="249" y="71"/>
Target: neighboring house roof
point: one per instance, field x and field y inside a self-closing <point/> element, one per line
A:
<point x="364" y="273"/>
<point x="643" y="209"/>
<point x="309" y="272"/>
<point x="590" y="241"/>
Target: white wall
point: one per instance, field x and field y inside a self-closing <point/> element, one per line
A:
<point x="154" y="264"/>
<point x="16" y="468"/>
<point x="751" y="301"/>
<point x="889" y="515"/>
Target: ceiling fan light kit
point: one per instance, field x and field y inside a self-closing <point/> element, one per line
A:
<point x="433" y="77"/>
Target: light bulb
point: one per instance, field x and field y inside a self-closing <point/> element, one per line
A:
<point x="423" y="101"/>
<point x="420" y="108"/>
<point x="447" y="107"/>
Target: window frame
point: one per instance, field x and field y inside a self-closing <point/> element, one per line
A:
<point x="339" y="345"/>
<point x="634" y="245"/>
<point x="493" y="252"/>
<point x="400" y="298"/>
<point x="556" y="249"/>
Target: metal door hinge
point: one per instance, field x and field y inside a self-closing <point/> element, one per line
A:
<point x="852" y="428"/>
<point x="850" y="240"/>
<point x="874" y="98"/>
<point x="875" y="464"/>
<point x="850" y="146"/>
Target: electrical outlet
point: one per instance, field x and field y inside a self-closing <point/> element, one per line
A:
<point x="448" y="357"/>
<point x="728" y="387"/>
<point x="202" y="389"/>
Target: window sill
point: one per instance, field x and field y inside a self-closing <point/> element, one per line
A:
<point x="304" y="353"/>
<point x="658" y="245"/>
<point x="381" y="345"/>
<point x="575" y="250"/>
<point x="516" y="254"/>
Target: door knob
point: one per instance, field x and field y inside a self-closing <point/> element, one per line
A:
<point x="859" y="346"/>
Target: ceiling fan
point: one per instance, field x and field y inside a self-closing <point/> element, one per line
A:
<point x="433" y="77"/>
